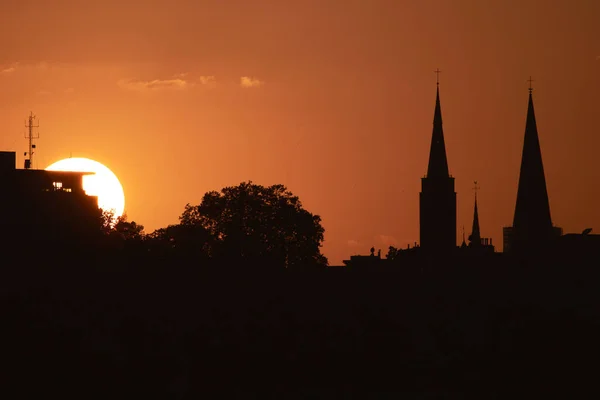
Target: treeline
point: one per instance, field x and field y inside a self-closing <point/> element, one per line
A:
<point x="162" y="315"/>
<point x="245" y="224"/>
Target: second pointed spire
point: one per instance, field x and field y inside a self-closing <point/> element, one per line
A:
<point x="438" y="162"/>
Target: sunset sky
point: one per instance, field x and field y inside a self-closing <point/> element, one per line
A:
<point x="334" y="99"/>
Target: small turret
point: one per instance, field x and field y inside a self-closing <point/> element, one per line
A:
<point x="475" y="236"/>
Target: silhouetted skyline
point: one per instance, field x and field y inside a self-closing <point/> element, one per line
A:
<point x="259" y="142"/>
<point x="172" y="92"/>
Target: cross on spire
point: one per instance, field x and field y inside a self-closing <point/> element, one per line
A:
<point x="530" y="86"/>
<point x="437" y="74"/>
<point x="475" y="188"/>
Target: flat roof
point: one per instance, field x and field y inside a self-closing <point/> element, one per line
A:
<point x="47" y="172"/>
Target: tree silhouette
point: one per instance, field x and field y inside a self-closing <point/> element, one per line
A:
<point x="392" y="253"/>
<point x="121" y="226"/>
<point x="107" y="220"/>
<point x="119" y="232"/>
<point x="253" y="222"/>
<point x="188" y="241"/>
<point x="128" y="230"/>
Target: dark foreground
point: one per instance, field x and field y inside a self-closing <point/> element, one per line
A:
<point x="132" y="331"/>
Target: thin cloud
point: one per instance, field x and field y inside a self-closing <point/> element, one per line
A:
<point x="69" y="90"/>
<point x="43" y="93"/>
<point x="43" y="66"/>
<point x="249" y="82"/>
<point x="352" y="243"/>
<point x="156" y="84"/>
<point x="177" y="82"/>
<point x="597" y="58"/>
<point x="12" y="68"/>
<point x="207" y="80"/>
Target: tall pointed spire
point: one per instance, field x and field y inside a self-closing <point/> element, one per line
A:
<point x="437" y="200"/>
<point x="475" y="237"/>
<point x="438" y="163"/>
<point x="532" y="220"/>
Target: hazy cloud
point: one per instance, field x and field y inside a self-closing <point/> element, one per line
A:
<point x="597" y="58"/>
<point x="69" y="90"/>
<point x="248" y="82"/>
<point x="156" y="84"/>
<point x="177" y="82"/>
<point x="42" y="66"/>
<point x="10" y="69"/>
<point x="352" y="243"/>
<point x="43" y="93"/>
<point x="207" y="80"/>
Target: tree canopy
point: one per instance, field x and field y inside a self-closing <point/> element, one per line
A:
<point x="239" y="225"/>
<point x="250" y="222"/>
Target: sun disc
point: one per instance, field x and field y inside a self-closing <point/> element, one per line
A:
<point x="104" y="183"/>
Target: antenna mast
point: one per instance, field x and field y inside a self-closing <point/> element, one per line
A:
<point x="30" y="136"/>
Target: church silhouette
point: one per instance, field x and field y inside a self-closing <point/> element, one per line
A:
<point x="532" y="231"/>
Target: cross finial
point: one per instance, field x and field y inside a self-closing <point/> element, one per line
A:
<point x="530" y="86"/>
<point x="437" y="74"/>
<point x="476" y="187"/>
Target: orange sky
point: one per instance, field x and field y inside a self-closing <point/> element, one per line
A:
<point x="337" y="105"/>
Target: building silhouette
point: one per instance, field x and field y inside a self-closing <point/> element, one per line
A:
<point x="370" y="261"/>
<point x="532" y="231"/>
<point x="437" y="200"/>
<point x="532" y="224"/>
<point x="45" y="207"/>
<point x="476" y="241"/>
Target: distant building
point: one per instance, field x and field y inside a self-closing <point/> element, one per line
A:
<point x="42" y="207"/>
<point x="370" y="261"/>
<point x="532" y="224"/>
<point x="584" y="244"/>
<point x="437" y="200"/>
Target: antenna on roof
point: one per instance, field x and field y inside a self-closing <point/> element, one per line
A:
<point x="30" y="136"/>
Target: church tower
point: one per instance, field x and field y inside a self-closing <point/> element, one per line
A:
<point x="532" y="223"/>
<point x="437" y="200"/>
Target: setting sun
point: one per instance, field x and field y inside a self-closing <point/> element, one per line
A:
<point x="104" y="183"/>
